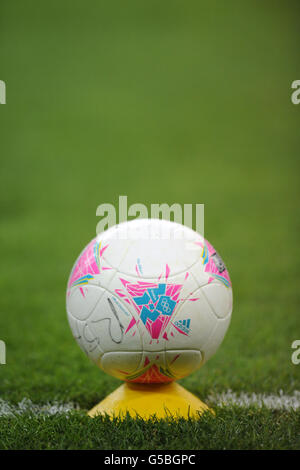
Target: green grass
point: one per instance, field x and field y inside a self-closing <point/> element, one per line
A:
<point x="230" y="429"/>
<point x="164" y="102"/>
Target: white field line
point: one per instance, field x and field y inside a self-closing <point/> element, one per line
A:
<point x="228" y="398"/>
<point x="244" y="400"/>
<point x="27" y="406"/>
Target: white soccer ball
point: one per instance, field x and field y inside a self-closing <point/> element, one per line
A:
<point x="149" y="301"/>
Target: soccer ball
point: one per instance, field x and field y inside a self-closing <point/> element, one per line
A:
<point x="149" y="301"/>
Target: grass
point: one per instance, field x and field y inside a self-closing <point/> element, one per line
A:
<point x="230" y="429"/>
<point x="167" y="102"/>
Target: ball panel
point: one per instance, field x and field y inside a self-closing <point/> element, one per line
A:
<point x="85" y="339"/>
<point x="121" y="364"/>
<point x="219" y="298"/>
<point x="211" y="267"/>
<point x="149" y="367"/>
<point x="155" y="243"/>
<point x="81" y="301"/>
<point x="87" y="265"/>
<point x="152" y="369"/>
<point x="199" y="274"/>
<point x="216" y="337"/>
<point x="115" y="250"/>
<point x="193" y="323"/>
<point x="182" y="362"/>
<point x="111" y="324"/>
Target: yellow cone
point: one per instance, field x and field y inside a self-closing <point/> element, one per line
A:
<point x="148" y="400"/>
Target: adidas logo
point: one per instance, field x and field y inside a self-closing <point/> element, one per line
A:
<point x="183" y="325"/>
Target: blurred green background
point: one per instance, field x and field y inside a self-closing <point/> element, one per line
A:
<point x="173" y="101"/>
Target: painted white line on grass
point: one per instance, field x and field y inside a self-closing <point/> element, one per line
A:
<point x="228" y="398"/>
<point x="27" y="406"/>
<point x="244" y="400"/>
